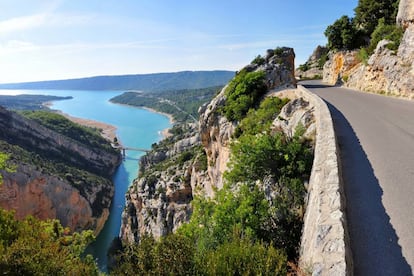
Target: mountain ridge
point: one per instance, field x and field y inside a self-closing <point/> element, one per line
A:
<point x="144" y="82"/>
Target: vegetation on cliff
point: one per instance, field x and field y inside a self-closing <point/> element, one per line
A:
<point x="243" y="93"/>
<point x="34" y="247"/>
<point x="253" y="224"/>
<point x="86" y="135"/>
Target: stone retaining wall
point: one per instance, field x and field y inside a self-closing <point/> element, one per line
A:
<point x="325" y="248"/>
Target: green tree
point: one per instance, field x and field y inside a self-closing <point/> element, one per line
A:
<point x="4" y="157"/>
<point x="342" y="34"/>
<point x="391" y="32"/>
<point x="369" y="12"/>
<point x="34" y="247"/>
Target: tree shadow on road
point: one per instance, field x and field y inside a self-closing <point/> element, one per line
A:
<point x="374" y="242"/>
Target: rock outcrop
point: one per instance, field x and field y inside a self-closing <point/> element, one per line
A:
<point x="405" y="15"/>
<point x="216" y="131"/>
<point x="158" y="202"/>
<point x="339" y="66"/>
<point x="55" y="176"/>
<point x="386" y="71"/>
<point x="180" y="167"/>
<point x="313" y="67"/>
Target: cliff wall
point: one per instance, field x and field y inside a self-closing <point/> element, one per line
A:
<point x="55" y="176"/>
<point x="159" y="200"/>
<point x="386" y="71"/>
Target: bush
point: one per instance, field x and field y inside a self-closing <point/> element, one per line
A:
<point x="34" y="247"/>
<point x="304" y="67"/>
<point x="243" y="92"/>
<point x="260" y="120"/>
<point x="393" y="33"/>
<point x="363" y="56"/>
<point x="259" y="60"/>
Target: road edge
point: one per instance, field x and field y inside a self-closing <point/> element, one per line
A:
<point x="325" y="247"/>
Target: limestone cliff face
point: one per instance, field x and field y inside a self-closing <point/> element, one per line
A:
<point x="55" y="176"/>
<point x="405" y="15"/>
<point x="158" y="202"/>
<point x="216" y="130"/>
<point x="312" y="67"/>
<point x="182" y="166"/>
<point x="339" y="65"/>
<point x="386" y="72"/>
<point x="29" y="192"/>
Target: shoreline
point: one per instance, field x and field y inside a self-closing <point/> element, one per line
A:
<point x="107" y="131"/>
<point x="165" y="132"/>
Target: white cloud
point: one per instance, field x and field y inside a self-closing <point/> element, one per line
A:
<point x="22" y="23"/>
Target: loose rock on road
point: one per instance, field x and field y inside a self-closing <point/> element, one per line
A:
<point x="376" y="139"/>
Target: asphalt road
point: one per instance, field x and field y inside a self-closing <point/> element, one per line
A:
<point x="376" y="139"/>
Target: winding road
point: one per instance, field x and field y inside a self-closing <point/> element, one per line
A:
<point x="376" y="139"/>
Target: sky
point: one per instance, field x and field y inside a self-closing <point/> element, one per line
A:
<point x="62" y="39"/>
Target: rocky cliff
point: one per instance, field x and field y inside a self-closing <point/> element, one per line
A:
<point x="192" y="161"/>
<point x="313" y="67"/>
<point x="386" y="71"/>
<point x="158" y="201"/>
<point x="56" y="176"/>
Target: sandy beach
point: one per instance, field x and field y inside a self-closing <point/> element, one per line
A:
<point x="107" y="131"/>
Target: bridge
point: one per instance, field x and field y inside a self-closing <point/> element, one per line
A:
<point x="124" y="149"/>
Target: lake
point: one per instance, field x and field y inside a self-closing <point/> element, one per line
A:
<point x="137" y="128"/>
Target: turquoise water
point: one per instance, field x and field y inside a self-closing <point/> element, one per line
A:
<point x="136" y="128"/>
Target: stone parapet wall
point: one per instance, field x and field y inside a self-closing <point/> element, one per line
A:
<point x="325" y="247"/>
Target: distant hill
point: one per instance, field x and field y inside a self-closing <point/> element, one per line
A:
<point x="28" y="102"/>
<point x="142" y="82"/>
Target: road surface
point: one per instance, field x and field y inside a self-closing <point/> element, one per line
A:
<point x="376" y="139"/>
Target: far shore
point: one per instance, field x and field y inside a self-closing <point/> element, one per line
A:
<point x="165" y="133"/>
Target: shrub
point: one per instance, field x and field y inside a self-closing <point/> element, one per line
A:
<point x="392" y="32"/>
<point x="243" y="92"/>
<point x="304" y="67"/>
<point x="261" y="119"/>
<point x="259" y="60"/>
<point x="322" y="60"/>
<point x="363" y="56"/>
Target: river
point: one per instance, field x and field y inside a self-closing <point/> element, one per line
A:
<point x="136" y="128"/>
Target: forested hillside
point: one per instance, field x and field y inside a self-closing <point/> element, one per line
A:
<point x="142" y="82"/>
<point x="181" y="104"/>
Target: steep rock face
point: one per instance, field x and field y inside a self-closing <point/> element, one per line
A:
<point x="29" y="192"/>
<point x="386" y="72"/>
<point x="54" y="176"/>
<point x="216" y="130"/>
<point x="313" y="64"/>
<point x="405" y="14"/>
<point x="33" y="136"/>
<point x="296" y="112"/>
<point x="158" y="202"/>
<point x="339" y="66"/>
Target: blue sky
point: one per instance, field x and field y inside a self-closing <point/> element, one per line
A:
<point x="58" y="39"/>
